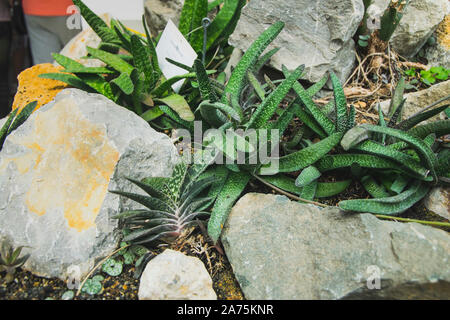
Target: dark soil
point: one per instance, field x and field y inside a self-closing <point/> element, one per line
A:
<point x="27" y="286"/>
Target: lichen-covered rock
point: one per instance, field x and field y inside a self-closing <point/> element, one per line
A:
<point x="55" y="173"/>
<point x="281" y="249"/>
<point x="174" y="276"/>
<point x="32" y="88"/>
<point x="438" y="54"/>
<point x="317" y="33"/>
<point x="438" y="201"/>
<point x="416" y="101"/>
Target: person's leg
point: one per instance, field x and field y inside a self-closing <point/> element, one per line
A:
<point x="59" y="24"/>
<point x="5" y="46"/>
<point x="43" y="42"/>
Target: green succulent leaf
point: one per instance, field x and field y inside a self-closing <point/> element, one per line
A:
<point x="236" y="82"/>
<point x="305" y="157"/>
<point x="191" y="18"/>
<point x="413" y="121"/>
<point x="307" y="176"/>
<point x="124" y="83"/>
<point x="232" y="189"/>
<point x="264" y="59"/>
<point x="424" y="151"/>
<point x="111" y="60"/>
<point x="267" y="108"/>
<point x="309" y="191"/>
<point x="96" y="23"/>
<point x="177" y="103"/>
<point x="327" y="125"/>
<point x="387" y="206"/>
<point x="22" y="116"/>
<point x="224" y="23"/>
<point x="5" y="127"/>
<point x="205" y="86"/>
<point x="340" y="103"/>
<point x="373" y="188"/>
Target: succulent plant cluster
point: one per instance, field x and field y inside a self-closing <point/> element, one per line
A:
<point x="10" y="260"/>
<point x="132" y="76"/>
<point x="396" y="161"/>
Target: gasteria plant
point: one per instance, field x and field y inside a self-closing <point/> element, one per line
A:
<point x="388" y="149"/>
<point x="396" y="161"/>
<point x="246" y="104"/>
<point x="172" y="206"/>
<point x="132" y="76"/>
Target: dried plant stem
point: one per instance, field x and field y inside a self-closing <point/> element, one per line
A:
<point x="96" y="267"/>
<point x="380" y="216"/>
<point x="432" y="223"/>
<point x="289" y="195"/>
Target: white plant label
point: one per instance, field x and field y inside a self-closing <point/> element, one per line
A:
<point x="173" y="45"/>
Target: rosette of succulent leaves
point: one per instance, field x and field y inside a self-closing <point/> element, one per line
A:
<point x="10" y="260"/>
<point x="172" y="204"/>
<point x="397" y="161"/>
<point x="132" y="77"/>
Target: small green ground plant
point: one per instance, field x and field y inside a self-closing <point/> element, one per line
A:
<point x="427" y="77"/>
<point x="10" y="260"/>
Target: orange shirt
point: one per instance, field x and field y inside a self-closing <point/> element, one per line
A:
<point x="46" y="7"/>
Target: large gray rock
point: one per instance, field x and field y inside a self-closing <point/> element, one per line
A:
<point x="420" y="20"/>
<point x="174" y="276"/>
<point x="438" y="201"/>
<point x="317" y="33"/>
<point x="416" y="101"/>
<point x="280" y="249"/>
<point x="55" y="173"/>
<point x="159" y="12"/>
<point x="438" y="54"/>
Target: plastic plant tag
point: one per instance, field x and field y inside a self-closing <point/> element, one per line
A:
<point x="173" y="45"/>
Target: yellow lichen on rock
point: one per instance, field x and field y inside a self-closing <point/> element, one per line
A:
<point x="71" y="164"/>
<point x="443" y="33"/>
<point x="32" y="88"/>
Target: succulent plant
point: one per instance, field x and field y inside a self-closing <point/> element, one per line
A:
<point x="172" y="205"/>
<point x="132" y="76"/>
<point x="10" y="260"/>
<point x="396" y="162"/>
<point x="388" y="149"/>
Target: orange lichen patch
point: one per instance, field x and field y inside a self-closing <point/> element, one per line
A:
<point x="32" y="88"/>
<point x="71" y="163"/>
<point x="443" y="33"/>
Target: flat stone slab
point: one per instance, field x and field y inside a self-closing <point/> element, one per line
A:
<point x="280" y="249"/>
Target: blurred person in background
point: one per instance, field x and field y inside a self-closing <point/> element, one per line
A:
<point x="5" y="46"/>
<point x="46" y="22"/>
